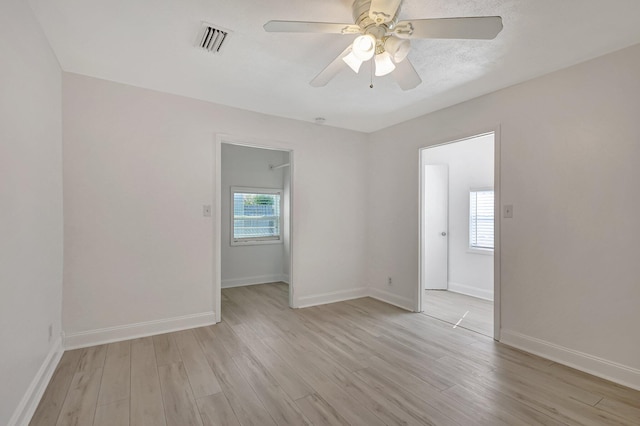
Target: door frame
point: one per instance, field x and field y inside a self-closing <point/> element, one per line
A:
<point x="497" y="221"/>
<point x="217" y="217"/>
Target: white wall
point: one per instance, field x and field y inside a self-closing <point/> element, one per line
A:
<point x="30" y="208"/>
<point x="570" y="151"/>
<point x="138" y="167"/>
<point x="249" y="167"/>
<point x="470" y="166"/>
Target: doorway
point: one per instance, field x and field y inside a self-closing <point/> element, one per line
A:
<point x="253" y="220"/>
<point x="458" y="238"/>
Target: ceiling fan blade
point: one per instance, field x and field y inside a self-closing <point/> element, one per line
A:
<point x="383" y="11"/>
<point x="406" y="76"/>
<point x="311" y="27"/>
<point x="331" y="70"/>
<point x="481" y="27"/>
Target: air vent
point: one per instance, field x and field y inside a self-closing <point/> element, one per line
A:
<point x="212" y="38"/>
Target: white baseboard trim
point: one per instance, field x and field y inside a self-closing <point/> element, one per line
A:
<point x="392" y="299"/>
<point x="261" y="279"/>
<point x="29" y="402"/>
<point x="133" y="331"/>
<point x="470" y="291"/>
<point x="332" y="297"/>
<point x="599" y="367"/>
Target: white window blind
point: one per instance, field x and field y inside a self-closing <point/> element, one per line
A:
<point x="481" y="219"/>
<point x="256" y="216"/>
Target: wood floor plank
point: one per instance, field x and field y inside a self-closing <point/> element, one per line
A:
<point x="540" y="379"/>
<point x="620" y="408"/>
<point x="340" y="352"/>
<point x="243" y="400"/>
<point x="80" y="404"/>
<point x="277" y="403"/>
<point x="319" y="411"/>
<point x="273" y="293"/>
<point x="343" y="338"/>
<point x="361" y="362"/>
<point x="92" y="358"/>
<point x="167" y="351"/>
<point x="499" y="405"/>
<point x="496" y="353"/>
<point x="226" y="337"/>
<point x="231" y="311"/>
<point x="179" y="403"/>
<point x="147" y="407"/>
<point x="51" y="403"/>
<point x="203" y="381"/>
<point x="113" y="414"/>
<point x="596" y="385"/>
<point x="342" y="398"/>
<point x="404" y="400"/>
<point x="464" y="311"/>
<point x="216" y="411"/>
<point x="369" y="399"/>
<point x="565" y="410"/>
<point x="356" y="413"/>
<point x="116" y="380"/>
<point x="382" y="372"/>
<point x="286" y="378"/>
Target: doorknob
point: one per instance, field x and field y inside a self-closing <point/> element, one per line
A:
<point x="444" y="234"/>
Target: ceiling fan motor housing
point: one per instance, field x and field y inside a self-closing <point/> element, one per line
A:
<point x="363" y="20"/>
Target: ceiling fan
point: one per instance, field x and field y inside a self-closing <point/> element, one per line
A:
<point x="387" y="41"/>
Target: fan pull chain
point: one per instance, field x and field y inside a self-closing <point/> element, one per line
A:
<point x="371" y="85"/>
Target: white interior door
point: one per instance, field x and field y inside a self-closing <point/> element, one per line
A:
<point x="435" y="227"/>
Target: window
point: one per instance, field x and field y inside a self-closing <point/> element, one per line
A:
<point x="256" y="216"/>
<point x="481" y="219"/>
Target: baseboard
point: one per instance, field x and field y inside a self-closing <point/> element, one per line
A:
<point x="470" y="291"/>
<point x="393" y="299"/>
<point x="261" y="279"/>
<point x="599" y="367"/>
<point x="332" y="297"/>
<point x="133" y="331"/>
<point x="29" y="402"/>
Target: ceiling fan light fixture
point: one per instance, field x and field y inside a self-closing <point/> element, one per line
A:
<point x="364" y="47"/>
<point x="379" y="34"/>
<point x="397" y="48"/>
<point x="353" y="61"/>
<point x="384" y="64"/>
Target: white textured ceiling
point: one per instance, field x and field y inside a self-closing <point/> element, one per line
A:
<point x="150" y="44"/>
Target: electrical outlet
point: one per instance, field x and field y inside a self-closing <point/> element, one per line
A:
<point x="389" y="282"/>
<point x="50" y="332"/>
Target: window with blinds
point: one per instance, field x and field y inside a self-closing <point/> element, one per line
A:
<point x="256" y="215"/>
<point x="481" y="209"/>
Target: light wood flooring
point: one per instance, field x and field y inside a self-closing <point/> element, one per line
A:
<point x="360" y="362"/>
<point x="460" y="310"/>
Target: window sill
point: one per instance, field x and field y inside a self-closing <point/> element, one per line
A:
<point x="486" y="252"/>
<point x="255" y="242"/>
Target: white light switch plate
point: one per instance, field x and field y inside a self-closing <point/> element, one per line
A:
<point x="206" y="210"/>
<point x="507" y="211"/>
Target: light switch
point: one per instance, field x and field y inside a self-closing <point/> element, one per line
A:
<point x="206" y="210"/>
<point x="507" y="211"/>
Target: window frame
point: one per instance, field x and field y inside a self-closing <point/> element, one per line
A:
<point x="477" y="249"/>
<point x="250" y="241"/>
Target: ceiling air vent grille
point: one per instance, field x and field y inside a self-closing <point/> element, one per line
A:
<point x="212" y="38"/>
